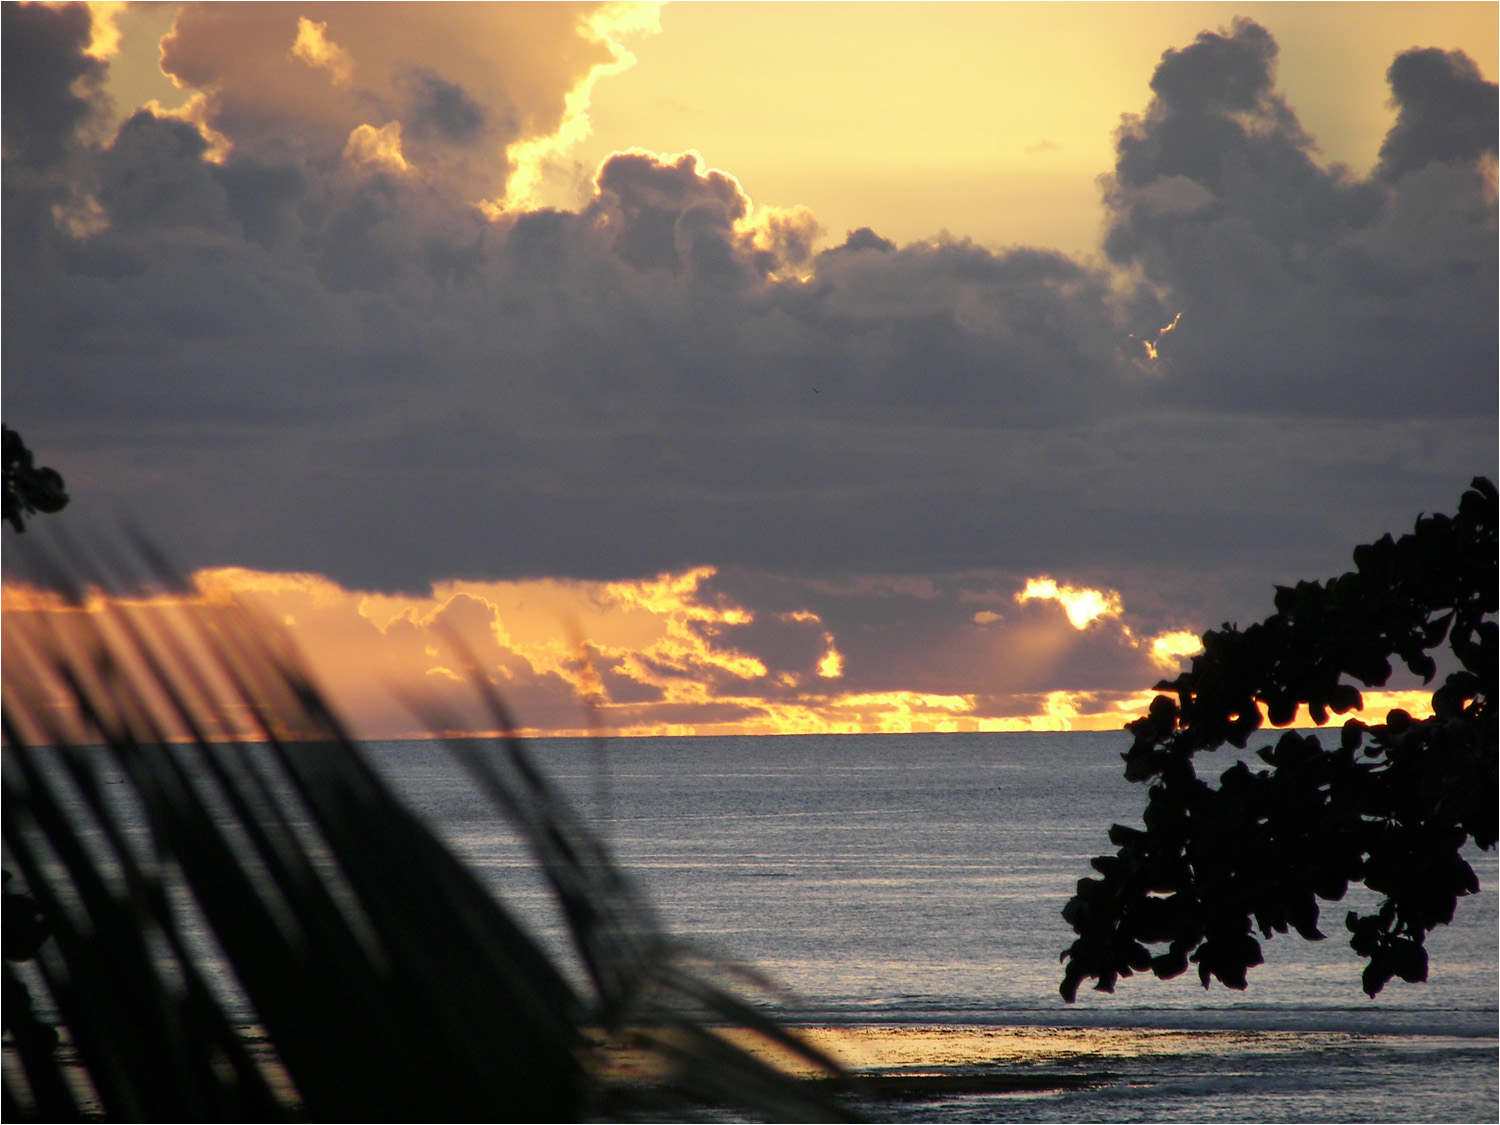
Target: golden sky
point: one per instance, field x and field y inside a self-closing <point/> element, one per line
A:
<point x="663" y="656"/>
<point x="990" y="121"/>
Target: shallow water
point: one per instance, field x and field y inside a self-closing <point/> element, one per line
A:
<point x="907" y="891"/>
<point x="909" y="887"/>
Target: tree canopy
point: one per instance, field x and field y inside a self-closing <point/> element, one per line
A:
<point x="1390" y="805"/>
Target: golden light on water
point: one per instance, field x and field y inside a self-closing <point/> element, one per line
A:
<point x="938" y="1049"/>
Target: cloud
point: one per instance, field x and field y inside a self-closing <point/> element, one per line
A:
<point x="1300" y="283"/>
<point x="462" y="84"/>
<point x="320" y="346"/>
<point x="675" y="653"/>
<point x="1082" y="605"/>
<point x="313" y="47"/>
<point x="1168" y="649"/>
<point x="52" y="83"/>
<point x="541" y="162"/>
<point x="669" y="211"/>
<point x="1446" y="112"/>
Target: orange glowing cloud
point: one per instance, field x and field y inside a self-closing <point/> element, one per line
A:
<point x="486" y="99"/>
<point x="104" y="29"/>
<point x="831" y="664"/>
<point x="1085" y="606"/>
<point x="538" y="163"/>
<point x="42" y="633"/>
<point x="1168" y="649"/>
<point x="313" y="47"/>
<point x="1082" y="605"/>
<point x="627" y="649"/>
<point x="1151" y="346"/>
<point x="377" y="148"/>
<point x="651" y="656"/>
<point x="665" y="655"/>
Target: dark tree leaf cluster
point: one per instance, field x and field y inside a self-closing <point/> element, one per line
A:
<point x="1389" y="805"/>
<point x="29" y="488"/>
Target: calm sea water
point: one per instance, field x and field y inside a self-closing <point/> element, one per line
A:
<point x="902" y="882"/>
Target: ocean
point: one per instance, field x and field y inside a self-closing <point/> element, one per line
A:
<point x="906" y="891"/>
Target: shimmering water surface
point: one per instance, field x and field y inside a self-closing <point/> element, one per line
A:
<point x="907" y="889"/>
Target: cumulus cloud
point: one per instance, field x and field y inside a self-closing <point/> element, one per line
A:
<point x="51" y="84"/>
<point x="293" y="81"/>
<point x="1446" y="112"/>
<point x="1307" y="288"/>
<point x="308" y="345"/>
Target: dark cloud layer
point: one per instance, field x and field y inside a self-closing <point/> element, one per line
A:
<point x="308" y="356"/>
<point x="49" y="87"/>
<point x="1303" y="288"/>
<point x="1446" y="112"/>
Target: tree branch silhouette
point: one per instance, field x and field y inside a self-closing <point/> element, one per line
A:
<point x="28" y="488"/>
<point x="1390" y="806"/>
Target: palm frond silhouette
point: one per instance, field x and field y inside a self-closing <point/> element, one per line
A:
<point x="230" y="914"/>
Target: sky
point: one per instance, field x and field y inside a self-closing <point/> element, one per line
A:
<point x="751" y="368"/>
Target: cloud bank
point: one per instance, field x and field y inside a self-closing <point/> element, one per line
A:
<point x="296" y="328"/>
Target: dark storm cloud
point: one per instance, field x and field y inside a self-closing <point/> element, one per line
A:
<point x="49" y="86"/>
<point x="308" y="357"/>
<point x="664" y="211"/>
<point x="154" y="181"/>
<point x="1302" y="287"/>
<point x="1446" y="112"/>
<point x="263" y="199"/>
<point x="865" y="239"/>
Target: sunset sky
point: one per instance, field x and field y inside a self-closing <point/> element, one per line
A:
<point x="748" y="368"/>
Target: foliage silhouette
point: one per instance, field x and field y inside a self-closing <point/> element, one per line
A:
<point x="186" y="879"/>
<point x="1389" y="806"/>
<point x="28" y="488"/>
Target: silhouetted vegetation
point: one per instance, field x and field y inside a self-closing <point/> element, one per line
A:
<point x="29" y="488"/>
<point x="233" y="929"/>
<point x="1390" y="805"/>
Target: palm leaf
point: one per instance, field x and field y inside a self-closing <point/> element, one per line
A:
<point x="253" y="924"/>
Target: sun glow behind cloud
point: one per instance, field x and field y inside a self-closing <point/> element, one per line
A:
<point x="659" y="656"/>
<point x="1168" y="649"/>
<point x="1082" y="605"/>
<point x="533" y="159"/>
<point x="995" y="131"/>
<point x="104" y="41"/>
